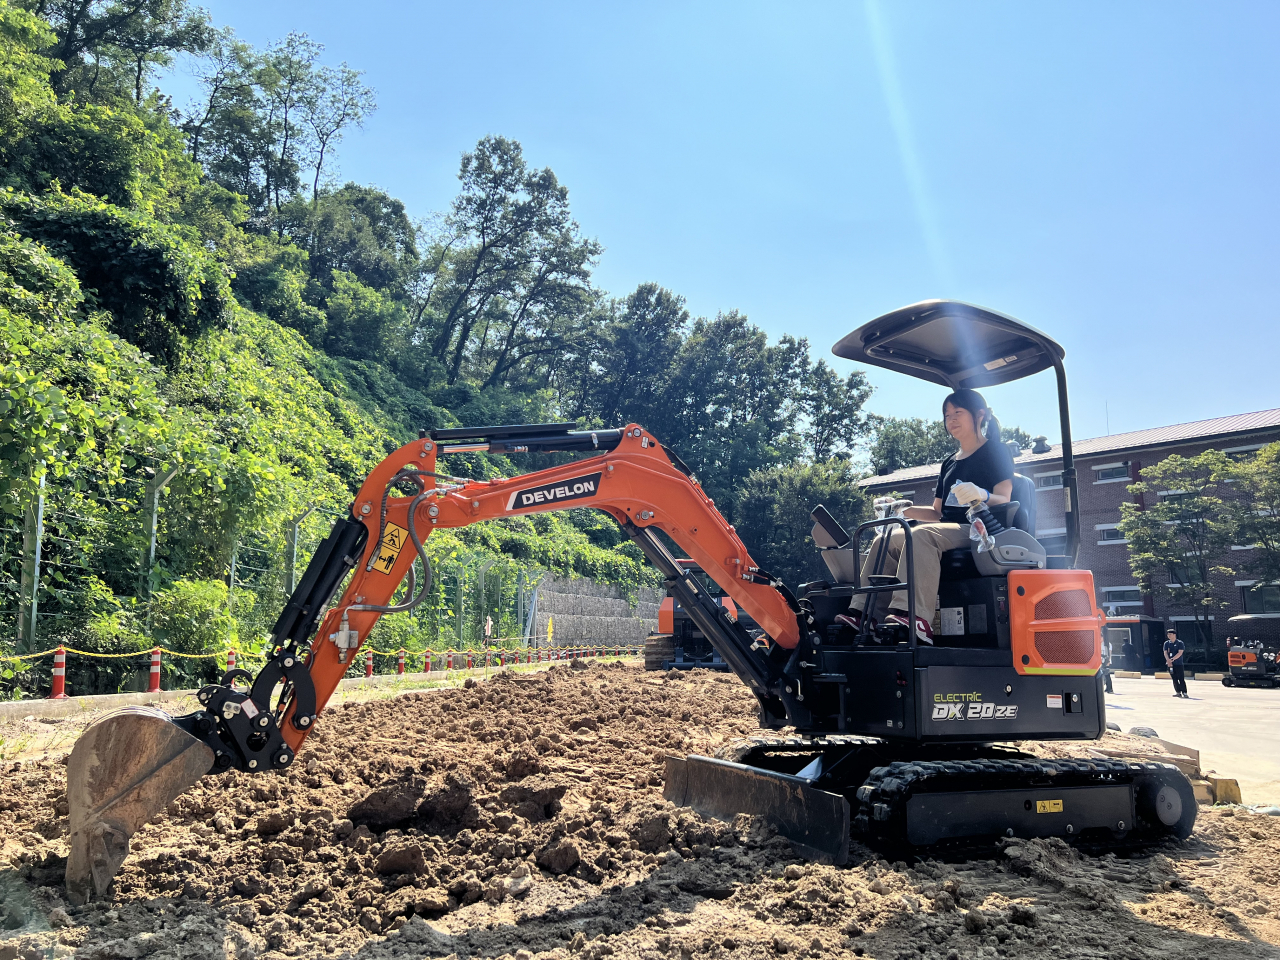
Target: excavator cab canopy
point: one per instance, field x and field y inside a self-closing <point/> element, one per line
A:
<point x="963" y="346"/>
<point x="955" y="344"/>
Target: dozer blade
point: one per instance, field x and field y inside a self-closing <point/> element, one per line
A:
<point x="815" y="821"/>
<point x="123" y="770"/>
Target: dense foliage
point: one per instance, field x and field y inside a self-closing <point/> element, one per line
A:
<point x="775" y="521"/>
<point x="195" y="313"/>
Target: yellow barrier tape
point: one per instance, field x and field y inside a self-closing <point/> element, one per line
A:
<point x="412" y="654"/>
<point x="240" y="655"/>
<point x="30" y="656"/>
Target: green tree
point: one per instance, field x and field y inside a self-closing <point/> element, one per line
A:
<point x="339" y="100"/>
<point x="902" y="442"/>
<point x="357" y="230"/>
<point x="834" y="419"/>
<point x="621" y="373"/>
<point x="288" y="80"/>
<point x="229" y="130"/>
<point x="112" y="47"/>
<point x="24" y="72"/>
<point x="1255" y="512"/>
<point x="1023" y="439"/>
<point x="773" y="514"/>
<point x="361" y="322"/>
<point x="1179" y="530"/>
<point x="506" y="289"/>
<point x="730" y="403"/>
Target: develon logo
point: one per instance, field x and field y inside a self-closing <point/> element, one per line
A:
<point x="577" y="488"/>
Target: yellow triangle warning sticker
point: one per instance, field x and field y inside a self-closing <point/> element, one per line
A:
<point x="393" y="540"/>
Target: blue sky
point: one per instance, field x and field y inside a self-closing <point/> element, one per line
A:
<point x="1105" y="172"/>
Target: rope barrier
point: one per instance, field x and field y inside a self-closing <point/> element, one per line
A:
<point x="502" y="656"/>
<point x="119" y="656"/>
<point x="589" y="651"/>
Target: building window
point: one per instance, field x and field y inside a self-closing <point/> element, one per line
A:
<point x="1111" y="533"/>
<point x="1241" y="454"/>
<point x="1052" y="480"/>
<point x="1178" y="497"/>
<point x="1113" y="473"/>
<point x="1185" y="575"/>
<point x="1261" y="599"/>
<point x="1194" y="634"/>
<point x="1122" y="595"/>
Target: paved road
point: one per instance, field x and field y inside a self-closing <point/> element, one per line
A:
<point x="1236" y="729"/>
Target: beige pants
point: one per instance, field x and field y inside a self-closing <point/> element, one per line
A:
<point x="928" y="541"/>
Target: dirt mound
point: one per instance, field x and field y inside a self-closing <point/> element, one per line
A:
<point x="524" y="816"/>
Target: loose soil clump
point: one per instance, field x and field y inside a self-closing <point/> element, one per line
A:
<point x="523" y="817"/>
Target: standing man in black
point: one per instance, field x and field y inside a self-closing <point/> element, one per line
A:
<point x="1173" y="651"/>
<point x="1106" y="663"/>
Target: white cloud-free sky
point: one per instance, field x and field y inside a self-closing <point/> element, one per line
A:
<point x="1105" y="172"/>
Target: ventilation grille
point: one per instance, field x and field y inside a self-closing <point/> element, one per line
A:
<point x="1063" y="605"/>
<point x="1065" y="646"/>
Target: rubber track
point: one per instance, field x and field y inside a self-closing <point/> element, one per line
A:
<point x="882" y="798"/>
<point x="879" y="804"/>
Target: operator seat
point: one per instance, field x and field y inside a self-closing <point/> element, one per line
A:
<point x="1018" y="514"/>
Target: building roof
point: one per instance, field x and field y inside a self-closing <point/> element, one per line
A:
<point x="1240" y="423"/>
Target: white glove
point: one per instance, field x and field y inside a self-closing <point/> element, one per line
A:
<point x="967" y="493"/>
<point x="889" y="507"/>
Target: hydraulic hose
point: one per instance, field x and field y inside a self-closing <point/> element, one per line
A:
<point x="417" y="545"/>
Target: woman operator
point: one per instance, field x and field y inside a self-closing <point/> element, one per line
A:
<point x="981" y="470"/>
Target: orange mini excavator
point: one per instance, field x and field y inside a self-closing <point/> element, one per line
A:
<point x="894" y="742"/>
<point x="678" y="644"/>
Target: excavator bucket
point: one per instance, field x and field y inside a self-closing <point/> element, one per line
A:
<point x="123" y="770"/>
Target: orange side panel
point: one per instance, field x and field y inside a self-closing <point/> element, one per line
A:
<point x="1054" y="624"/>
<point x="667" y="616"/>
<point x="1238" y="658"/>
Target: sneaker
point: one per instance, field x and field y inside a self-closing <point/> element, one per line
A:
<point x="853" y="619"/>
<point x="924" y="632"/>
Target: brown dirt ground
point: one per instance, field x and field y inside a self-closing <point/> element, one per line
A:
<point x="523" y="817"/>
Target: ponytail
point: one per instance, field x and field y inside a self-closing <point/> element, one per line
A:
<point x="972" y="401"/>
<point x="992" y="431"/>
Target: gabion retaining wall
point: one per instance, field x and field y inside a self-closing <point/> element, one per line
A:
<point x="588" y="612"/>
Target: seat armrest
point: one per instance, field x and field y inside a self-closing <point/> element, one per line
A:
<point x="1005" y="512"/>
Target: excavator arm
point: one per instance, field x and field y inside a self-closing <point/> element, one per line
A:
<point x="632" y="478"/>
<point x="127" y="767"/>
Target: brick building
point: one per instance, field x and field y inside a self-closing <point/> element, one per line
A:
<point x="1105" y="466"/>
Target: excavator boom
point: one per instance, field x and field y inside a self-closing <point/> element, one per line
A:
<point x="125" y="768"/>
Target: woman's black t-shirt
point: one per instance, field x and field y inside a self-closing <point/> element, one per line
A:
<point x="990" y="464"/>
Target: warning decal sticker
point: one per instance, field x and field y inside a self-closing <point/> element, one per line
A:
<point x="393" y="542"/>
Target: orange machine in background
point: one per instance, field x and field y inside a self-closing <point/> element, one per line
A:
<point x="678" y="644"/>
